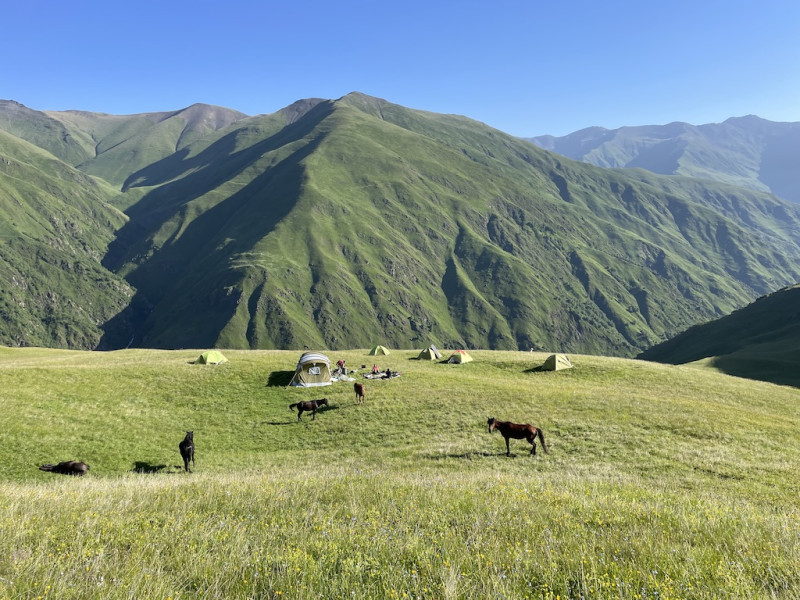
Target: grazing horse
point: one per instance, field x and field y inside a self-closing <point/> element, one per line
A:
<point x="68" y="467"/>
<point x="308" y="405"/>
<point x="518" y="432"/>
<point x="187" y="450"/>
<point x="360" y="389"/>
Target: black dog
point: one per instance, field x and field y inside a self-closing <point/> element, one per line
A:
<point x="187" y="450"/>
<point x="68" y="467"/>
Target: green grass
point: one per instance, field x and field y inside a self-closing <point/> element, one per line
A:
<point x="661" y="481"/>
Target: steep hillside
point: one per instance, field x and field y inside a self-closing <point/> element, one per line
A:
<point x="55" y="225"/>
<point x="340" y="223"/>
<point x="363" y="220"/>
<point x="746" y="151"/>
<point x="759" y="341"/>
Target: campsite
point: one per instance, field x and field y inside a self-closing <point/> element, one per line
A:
<point x="661" y="481"/>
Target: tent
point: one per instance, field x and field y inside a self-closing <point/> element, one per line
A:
<point x="430" y="353"/>
<point x="556" y="362"/>
<point x="378" y="350"/>
<point x="459" y="357"/>
<point x="313" y="369"/>
<point x="211" y="357"/>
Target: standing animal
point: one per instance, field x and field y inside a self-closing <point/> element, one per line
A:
<point x="187" y="450"/>
<point x="360" y="389"/>
<point x="308" y="405"/>
<point x="68" y="467"/>
<point x="518" y="432"/>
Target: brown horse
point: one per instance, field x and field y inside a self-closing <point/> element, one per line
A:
<point x="518" y="432"/>
<point x="187" y="450"/>
<point x="68" y="467"/>
<point x="308" y="405"/>
<point x="360" y="389"/>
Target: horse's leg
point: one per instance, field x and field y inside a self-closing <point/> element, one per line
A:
<point x="299" y="412"/>
<point x="508" y="448"/>
<point x="532" y="442"/>
<point x="314" y="414"/>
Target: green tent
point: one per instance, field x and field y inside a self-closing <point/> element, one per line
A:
<point x="430" y="353"/>
<point x="459" y="357"/>
<point x="556" y="362"/>
<point x="211" y="357"/>
<point x="378" y="350"/>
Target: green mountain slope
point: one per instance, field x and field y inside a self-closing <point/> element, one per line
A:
<point x="55" y="225"/>
<point x="363" y="220"/>
<point x="746" y="151"/>
<point x="341" y="223"/>
<point x="759" y="341"/>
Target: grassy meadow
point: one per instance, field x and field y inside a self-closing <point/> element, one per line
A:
<point x="661" y="481"/>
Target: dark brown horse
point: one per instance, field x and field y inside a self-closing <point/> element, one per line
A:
<point x="308" y="405"/>
<point x="518" y="432"/>
<point x="68" y="467"/>
<point x="360" y="389"/>
<point x="187" y="450"/>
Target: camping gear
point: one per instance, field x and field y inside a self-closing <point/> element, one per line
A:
<point x="556" y="362"/>
<point x="459" y="357"/>
<point x="378" y="350"/>
<point x="429" y="353"/>
<point x="313" y="369"/>
<point x="211" y="357"/>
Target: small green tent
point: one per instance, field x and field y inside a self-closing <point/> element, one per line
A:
<point x="378" y="350"/>
<point x="459" y="357"/>
<point x="556" y="362"/>
<point x="430" y="353"/>
<point x="211" y="357"/>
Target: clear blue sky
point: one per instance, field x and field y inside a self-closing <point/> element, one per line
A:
<point x="527" y="67"/>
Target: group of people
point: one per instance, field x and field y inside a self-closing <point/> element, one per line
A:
<point x="341" y="369"/>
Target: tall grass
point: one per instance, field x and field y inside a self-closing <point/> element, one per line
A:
<point x="661" y="482"/>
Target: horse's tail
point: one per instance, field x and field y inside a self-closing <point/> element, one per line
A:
<point x="541" y="439"/>
<point x="292" y="406"/>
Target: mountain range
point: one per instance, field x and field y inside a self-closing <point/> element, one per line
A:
<point x="747" y="151"/>
<point x="345" y="223"/>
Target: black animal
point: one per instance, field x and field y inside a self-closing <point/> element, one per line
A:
<point x="308" y="405"/>
<point x="68" y="467"/>
<point x="360" y="390"/>
<point x="187" y="450"/>
<point x="518" y="432"/>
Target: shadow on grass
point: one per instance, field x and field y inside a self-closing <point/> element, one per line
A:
<point x="146" y="467"/>
<point x="466" y="455"/>
<point x="280" y="378"/>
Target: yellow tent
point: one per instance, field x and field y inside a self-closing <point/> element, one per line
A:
<point x="211" y="357"/>
<point x="459" y="357"/>
<point x="556" y="362"/>
<point x="378" y="350"/>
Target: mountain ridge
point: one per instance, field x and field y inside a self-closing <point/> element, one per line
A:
<point x="748" y="151"/>
<point x="333" y="223"/>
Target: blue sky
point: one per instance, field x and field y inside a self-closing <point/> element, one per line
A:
<point x="526" y="67"/>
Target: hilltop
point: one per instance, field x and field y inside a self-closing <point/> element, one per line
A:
<point x="660" y="480"/>
<point x="335" y="223"/>
<point x="745" y="151"/>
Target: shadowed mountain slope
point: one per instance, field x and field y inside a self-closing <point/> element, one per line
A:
<point x="759" y="341"/>
<point x="55" y="225"/>
<point x="746" y="151"/>
<point x="335" y="223"/>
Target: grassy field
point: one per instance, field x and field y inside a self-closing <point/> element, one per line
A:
<point x="661" y="481"/>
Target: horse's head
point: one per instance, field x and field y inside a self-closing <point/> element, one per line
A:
<point x="491" y="423"/>
<point x="189" y="436"/>
<point x="323" y="401"/>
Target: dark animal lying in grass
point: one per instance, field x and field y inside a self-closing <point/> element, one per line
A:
<point x="360" y="389"/>
<point x="68" y="467"/>
<point x="308" y="405"/>
<point x="187" y="450"/>
<point x="518" y="432"/>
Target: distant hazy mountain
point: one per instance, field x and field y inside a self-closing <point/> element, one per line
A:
<point x="747" y="151"/>
<point x="760" y="341"/>
<point x="344" y="223"/>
